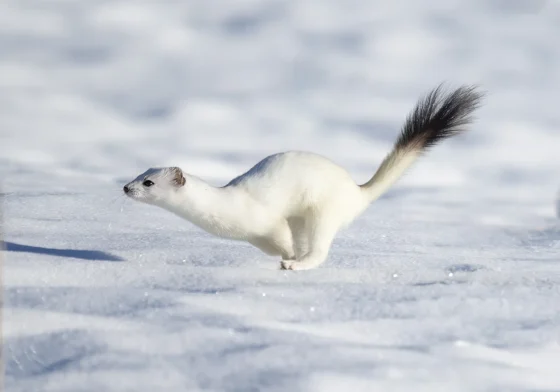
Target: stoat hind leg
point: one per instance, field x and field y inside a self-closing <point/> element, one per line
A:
<point x="300" y="235"/>
<point x="321" y="230"/>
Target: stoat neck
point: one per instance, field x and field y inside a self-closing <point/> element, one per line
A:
<point x="221" y="211"/>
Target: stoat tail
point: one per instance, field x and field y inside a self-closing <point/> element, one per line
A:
<point x="437" y="116"/>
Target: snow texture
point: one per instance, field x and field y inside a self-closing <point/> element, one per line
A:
<point x="451" y="282"/>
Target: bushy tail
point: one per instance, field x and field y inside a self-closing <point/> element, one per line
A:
<point x="437" y="116"/>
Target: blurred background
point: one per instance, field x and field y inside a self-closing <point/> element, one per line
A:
<point x="104" y="89"/>
<point x="441" y="284"/>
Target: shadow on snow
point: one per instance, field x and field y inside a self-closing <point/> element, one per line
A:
<point x="72" y="253"/>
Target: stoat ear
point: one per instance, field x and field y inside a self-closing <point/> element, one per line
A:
<point x="178" y="177"/>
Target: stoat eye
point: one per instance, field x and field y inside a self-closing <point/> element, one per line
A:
<point x="147" y="183"/>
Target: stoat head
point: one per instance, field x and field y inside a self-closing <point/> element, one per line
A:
<point x="156" y="185"/>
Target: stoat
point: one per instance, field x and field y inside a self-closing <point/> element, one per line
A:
<point x="292" y="204"/>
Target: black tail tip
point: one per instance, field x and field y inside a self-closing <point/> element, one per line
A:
<point x="439" y="115"/>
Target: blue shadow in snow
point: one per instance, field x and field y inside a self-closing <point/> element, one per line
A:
<point x="73" y="253"/>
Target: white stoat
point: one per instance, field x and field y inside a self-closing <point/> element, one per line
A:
<point x="292" y="204"/>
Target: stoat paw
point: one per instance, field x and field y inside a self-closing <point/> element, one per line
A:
<point x="287" y="264"/>
<point x="295" y="265"/>
<point x="302" y="266"/>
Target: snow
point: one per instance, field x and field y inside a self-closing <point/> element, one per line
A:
<point x="451" y="282"/>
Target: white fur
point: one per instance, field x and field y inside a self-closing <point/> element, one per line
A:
<point x="290" y="204"/>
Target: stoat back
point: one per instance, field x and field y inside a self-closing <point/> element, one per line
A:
<point x="296" y="180"/>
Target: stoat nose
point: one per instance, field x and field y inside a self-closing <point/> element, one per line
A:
<point x="126" y="189"/>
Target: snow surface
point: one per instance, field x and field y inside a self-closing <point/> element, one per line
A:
<point x="451" y="282"/>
